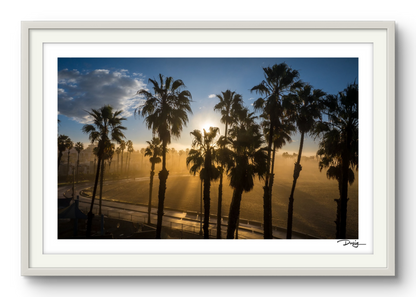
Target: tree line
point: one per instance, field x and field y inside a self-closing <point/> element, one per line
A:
<point x="248" y="146"/>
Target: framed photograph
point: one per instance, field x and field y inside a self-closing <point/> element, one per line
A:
<point x="208" y="148"/>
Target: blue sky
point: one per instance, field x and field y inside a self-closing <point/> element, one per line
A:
<point x="85" y="83"/>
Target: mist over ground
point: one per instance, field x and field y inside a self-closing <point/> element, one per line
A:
<point x="314" y="205"/>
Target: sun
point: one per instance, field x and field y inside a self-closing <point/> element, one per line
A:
<point x="206" y="126"/>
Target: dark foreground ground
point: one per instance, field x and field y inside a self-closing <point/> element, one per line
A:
<point x="119" y="229"/>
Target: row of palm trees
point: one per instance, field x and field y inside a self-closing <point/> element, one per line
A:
<point x="65" y="144"/>
<point x="248" y="147"/>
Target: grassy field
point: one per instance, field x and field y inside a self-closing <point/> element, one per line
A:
<point x="314" y="206"/>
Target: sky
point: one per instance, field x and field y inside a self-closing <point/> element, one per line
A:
<point x="86" y="83"/>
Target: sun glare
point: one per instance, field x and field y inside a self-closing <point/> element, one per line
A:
<point x="206" y="126"/>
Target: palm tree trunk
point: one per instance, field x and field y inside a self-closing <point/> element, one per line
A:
<point x="342" y="224"/>
<point x="272" y="170"/>
<point x="267" y="201"/>
<point x="219" y="210"/>
<point x="101" y="184"/>
<point x="163" y="176"/>
<point x="234" y="213"/>
<point x="296" y="173"/>
<point x="90" y="213"/>
<point x="67" y="172"/>
<point x="121" y="170"/>
<point x="207" y="199"/>
<point x="152" y="174"/>
<point x="59" y="159"/>
<point x="77" y="168"/>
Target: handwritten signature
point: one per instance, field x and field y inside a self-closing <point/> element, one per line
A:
<point x="353" y="243"/>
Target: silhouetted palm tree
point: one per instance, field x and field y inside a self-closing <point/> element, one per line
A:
<point x="181" y="153"/>
<point x="69" y="148"/>
<point x="154" y="150"/>
<point x="63" y="144"/>
<point x="118" y="151"/>
<point x="338" y="149"/>
<point x="106" y="126"/>
<point x="306" y="104"/>
<point x="166" y="112"/>
<point x="230" y="103"/>
<point x="282" y="135"/>
<point x="279" y="80"/>
<point x="246" y="159"/>
<point x="110" y="154"/>
<point x="107" y="155"/>
<point x="142" y="152"/>
<point x="122" y="148"/>
<point x="79" y="146"/>
<point x="202" y="156"/>
<point x="129" y="145"/>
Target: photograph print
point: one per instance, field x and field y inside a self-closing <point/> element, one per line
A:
<point x="207" y="148"/>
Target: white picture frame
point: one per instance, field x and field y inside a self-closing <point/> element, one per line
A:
<point x="381" y="260"/>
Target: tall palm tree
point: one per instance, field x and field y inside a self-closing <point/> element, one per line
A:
<point x="280" y="79"/>
<point x="166" y="112"/>
<point x="154" y="151"/>
<point x="173" y="154"/>
<point x="142" y="152"/>
<point x="118" y="151"/>
<point x="246" y="159"/>
<point x="180" y="153"/>
<point x="69" y="148"/>
<point x="79" y="146"/>
<point x="230" y="103"/>
<point x="338" y="149"/>
<point x="63" y="144"/>
<point x="108" y="154"/>
<point x="282" y="134"/>
<point x="122" y="148"/>
<point x="106" y="126"/>
<point x="202" y="156"/>
<point x="306" y="104"/>
<point x="129" y="145"/>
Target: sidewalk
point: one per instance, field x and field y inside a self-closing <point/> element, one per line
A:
<point x="186" y="221"/>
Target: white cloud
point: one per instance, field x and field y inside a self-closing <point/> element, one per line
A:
<point x="212" y="96"/>
<point x="78" y="92"/>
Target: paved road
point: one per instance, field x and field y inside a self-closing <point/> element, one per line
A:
<point x="189" y="221"/>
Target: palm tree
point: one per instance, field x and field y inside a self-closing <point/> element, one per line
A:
<point x="282" y="134"/>
<point x="63" y="144"/>
<point x="122" y="148"/>
<point x="110" y="155"/>
<point x="306" y="105"/>
<point x="142" y="152"/>
<point x="118" y="151"/>
<point x="279" y="80"/>
<point x="230" y="103"/>
<point x="173" y="153"/>
<point x="107" y="155"/>
<point x="106" y="126"/>
<point x="79" y="146"/>
<point x="338" y="149"/>
<point x="202" y="156"/>
<point x="154" y="150"/>
<point x="129" y="145"/>
<point x="69" y="148"/>
<point x="165" y="112"/>
<point x="181" y="153"/>
<point x="246" y="159"/>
